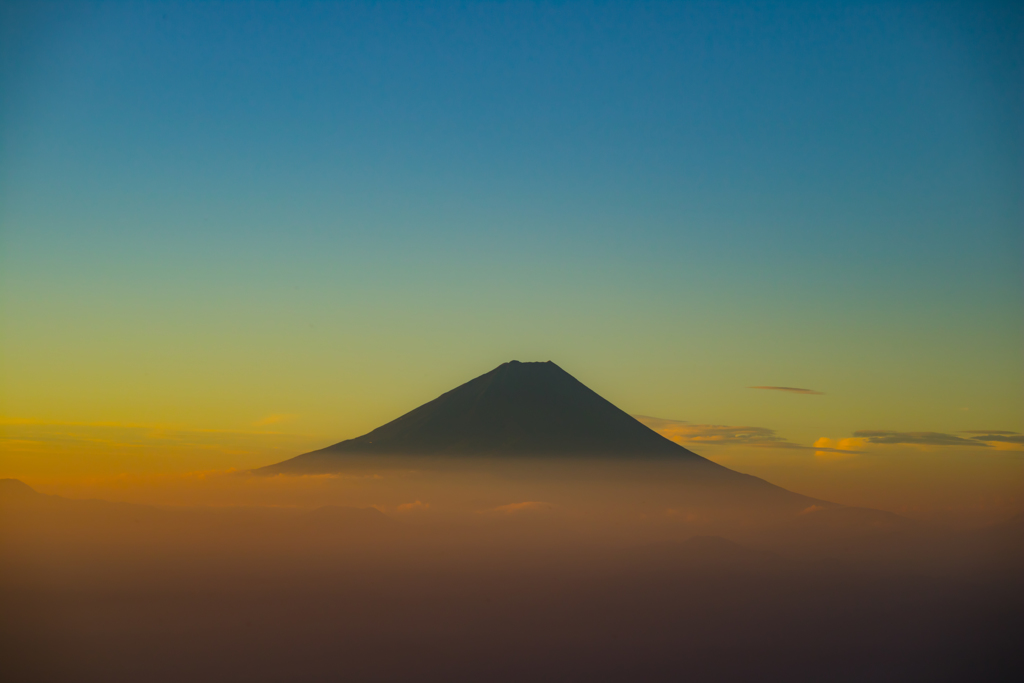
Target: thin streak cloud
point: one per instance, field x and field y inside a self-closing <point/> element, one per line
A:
<point x="919" y="438"/>
<point x="791" y="390"/>
<point x="1001" y="432"/>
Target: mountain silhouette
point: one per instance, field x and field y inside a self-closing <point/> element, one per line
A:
<point x="517" y="409"/>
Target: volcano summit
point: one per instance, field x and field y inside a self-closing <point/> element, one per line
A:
<point x="517" y="409"/>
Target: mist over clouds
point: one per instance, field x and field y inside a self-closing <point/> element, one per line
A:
<point x="547" y="571"/>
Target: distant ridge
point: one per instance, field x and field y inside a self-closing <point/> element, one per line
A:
<point x="15" y="488"/>
<point x="517" y="409"/>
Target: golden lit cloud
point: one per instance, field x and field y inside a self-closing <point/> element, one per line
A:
<point x="838" y="449"/>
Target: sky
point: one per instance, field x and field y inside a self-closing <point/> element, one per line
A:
<point x="232" y="232"/>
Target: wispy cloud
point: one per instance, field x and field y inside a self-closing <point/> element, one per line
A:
<point x="791" y="390"/>
<point x="1003" y="441"/>
<point x="988" y="431"/>
<point x="683" y="432"/>
<point x="1019" y="438"/>
<point x="871" y="439"/>
<point x="999" y="438"/>
<point x="916" y="438"/>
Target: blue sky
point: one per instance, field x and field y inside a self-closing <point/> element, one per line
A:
<point x="213" y="212"/>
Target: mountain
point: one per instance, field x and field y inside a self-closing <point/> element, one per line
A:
<point x="539" y="414"/>
<point x="517" y="409"/>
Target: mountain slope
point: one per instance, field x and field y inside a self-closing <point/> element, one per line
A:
<point x="517" y="409"/>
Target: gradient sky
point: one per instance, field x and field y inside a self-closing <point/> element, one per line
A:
<point x="227" y="219"/>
